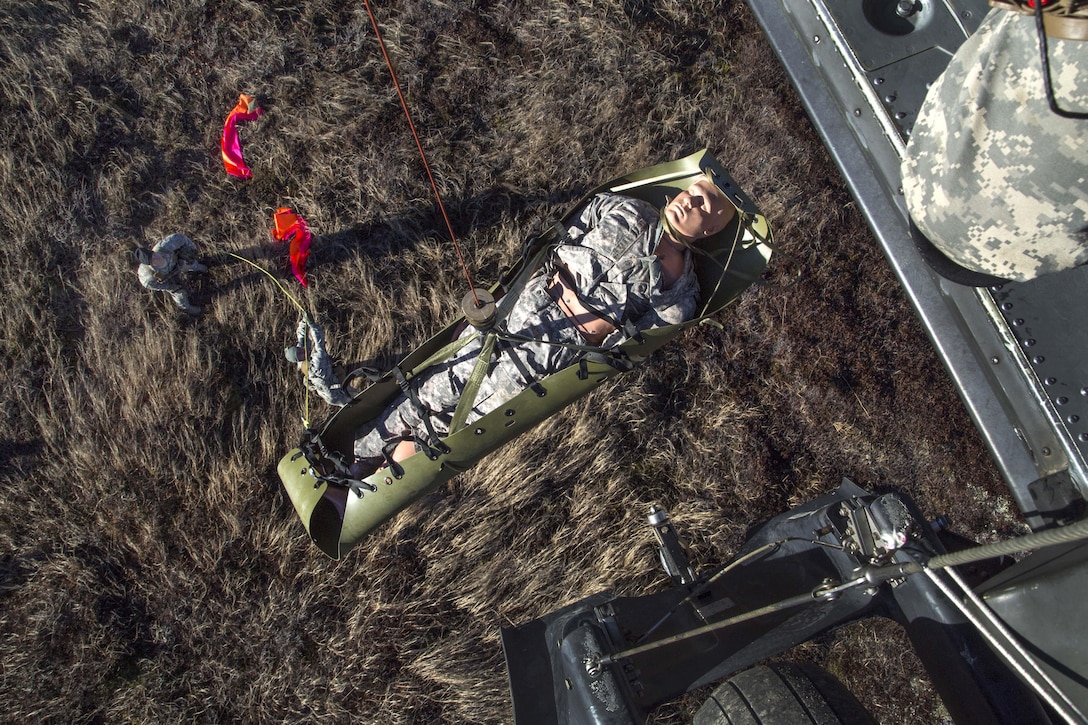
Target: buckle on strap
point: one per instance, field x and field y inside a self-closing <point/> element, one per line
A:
<point x="330" y="467"/>
<point x="434" y="441"/>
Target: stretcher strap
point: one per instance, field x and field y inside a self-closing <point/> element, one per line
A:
<point x="523" y="369"/>
<point x="434" y="442"/>
<point x="514" y="337"/>
<point x="387" y="455"/>
<point x="446" y="352"/>
<point x="319" y="457"/>
<point x="472" y="385"/>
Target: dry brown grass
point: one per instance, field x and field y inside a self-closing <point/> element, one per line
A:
<point x="151" y="568"/>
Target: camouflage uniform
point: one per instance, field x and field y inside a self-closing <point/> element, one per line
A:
<point x="610" y="257"/>
<point x="311" y="339"/>
<point x="991" y="175"/>
<point x="179" y="257"/>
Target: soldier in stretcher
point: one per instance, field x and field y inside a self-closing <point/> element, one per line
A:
<point x="625" y="266"/>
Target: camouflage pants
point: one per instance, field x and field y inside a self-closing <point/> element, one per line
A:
<point x="439" y="389"/>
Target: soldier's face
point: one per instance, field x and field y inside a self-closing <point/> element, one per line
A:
<point x="699" y="211"/>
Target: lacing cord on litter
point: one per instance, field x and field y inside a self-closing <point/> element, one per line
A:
<point x="320" y="457"/>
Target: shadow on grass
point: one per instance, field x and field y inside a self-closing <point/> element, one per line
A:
<point x="388" y="238"/>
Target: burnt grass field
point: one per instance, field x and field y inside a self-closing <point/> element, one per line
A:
<point x="152" y="569"/>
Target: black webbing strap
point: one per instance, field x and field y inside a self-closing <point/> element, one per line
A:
<point x="590" y="350"/>
<point x="615" y="359"/>
<point x="434" y="442"/>
<point x="390" y="446"/>
<point x="632" y="332"/>
<point x="387" y="456"/>
<point x="318" y="456"/>
<point x="523" y="370"/>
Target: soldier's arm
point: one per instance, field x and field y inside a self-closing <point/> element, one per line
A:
<point x="151" y="282"/>
<point x="166" y="286"/>
<point x="178" y="244"/>
<point x="591" y="213"/>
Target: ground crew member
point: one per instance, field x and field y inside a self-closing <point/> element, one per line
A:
<point x="162" y="269"/>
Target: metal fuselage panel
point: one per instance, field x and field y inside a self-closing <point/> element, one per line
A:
<point x="1014" y="352"/>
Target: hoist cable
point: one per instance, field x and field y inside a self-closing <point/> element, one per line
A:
<point x="419" y="145"/>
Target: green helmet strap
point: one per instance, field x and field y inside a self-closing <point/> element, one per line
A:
<point x="671" y="230"/>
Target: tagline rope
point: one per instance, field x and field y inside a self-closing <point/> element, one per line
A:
<point x="422" y="155"/>
<point x="296" y="303"/>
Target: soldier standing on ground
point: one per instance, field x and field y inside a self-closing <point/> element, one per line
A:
<point x="162" y="267"/>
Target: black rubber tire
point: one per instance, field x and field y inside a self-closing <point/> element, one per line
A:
<point x="782" y="694"/>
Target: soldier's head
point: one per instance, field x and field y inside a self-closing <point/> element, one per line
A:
<point x="150" y="257"/>
<point x="700" y="211"/>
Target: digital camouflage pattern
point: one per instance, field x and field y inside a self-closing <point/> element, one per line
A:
<point x="992" y="176"/>
<point x="319" y="374"/>
<point x="1061" y="18"/>
<point x="610" y="256"/>
<point x="179" y="256"/>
